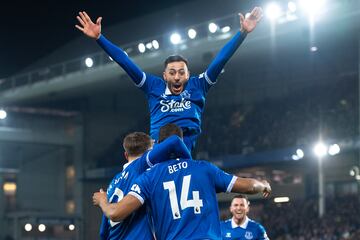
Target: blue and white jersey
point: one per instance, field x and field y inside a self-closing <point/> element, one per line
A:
<point x="185" y="109"/>
<point x="249" y="230"/>
<point x="137" y="226"/>
<point x="182" y="197"/>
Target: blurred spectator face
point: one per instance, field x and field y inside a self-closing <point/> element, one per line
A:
<point x="239" y="208"/>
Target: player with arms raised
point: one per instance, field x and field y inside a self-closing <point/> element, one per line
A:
<point x="176" y="97"/>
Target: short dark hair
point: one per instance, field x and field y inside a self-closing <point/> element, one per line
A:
<point x="136" y="143"/>
<point x="175" y="58"/>
<point x="168" y="130"/>
<point x="241" y="196"/>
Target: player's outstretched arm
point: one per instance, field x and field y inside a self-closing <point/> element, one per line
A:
<point x="116" y="211"/>
<point x="87" y="26"/>
<point x="93" y="30"/>
<point x="170" y="148"/>
<point x="251" y="186"/>
<point x="247" y="25"/>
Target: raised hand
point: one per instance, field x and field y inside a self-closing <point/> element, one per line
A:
<point x="88" y="27"/>
<point x="248" y="24"/>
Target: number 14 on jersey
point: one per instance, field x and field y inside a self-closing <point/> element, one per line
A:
<point x="196" y="202"/>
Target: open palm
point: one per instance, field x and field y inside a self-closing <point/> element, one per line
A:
<point x="88" y="27"/>
<point x="248" y="24"/>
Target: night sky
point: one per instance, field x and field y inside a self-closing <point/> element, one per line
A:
<point x="28" y="27"/>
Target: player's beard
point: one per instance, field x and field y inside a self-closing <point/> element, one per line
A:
<point x="240" y="216"/>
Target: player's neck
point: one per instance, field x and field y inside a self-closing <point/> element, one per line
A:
<point x="239" y="221"/>
<point x="132" y="158"/>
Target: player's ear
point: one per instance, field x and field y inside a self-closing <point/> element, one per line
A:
<point x="126" y="155"/>
<point x="164" y="76"/>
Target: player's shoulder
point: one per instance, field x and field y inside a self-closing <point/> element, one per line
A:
<point x="225" y="222"/>
<point x="137" y="163"/>
<point x="116" y="177"/>
<point x="194" y="79"/>
<point x="154" y="79"/>
<point x="114" y="181"/>
<point x="205" y="164"/>
<point x="199" y="162"/>
<point x="255" y="224"/>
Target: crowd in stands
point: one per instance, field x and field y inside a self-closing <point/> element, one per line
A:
<point x="290" y="121"/>
<point x="294" y="120"/>
<point x="299" y="220"/>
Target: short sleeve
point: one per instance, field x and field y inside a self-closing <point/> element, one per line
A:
<point x="141" y="188"/>
<point x="223" y="181"/>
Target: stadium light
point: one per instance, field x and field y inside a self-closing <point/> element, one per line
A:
<point x="155" y="44"/>
<point x="292" y="7"/>
<point x="281" y="199"/>
<point x="28" y="227"/>
<point x="71" y="227"/>
<point x="3" y="114"/>
<point x="213" y="27"/>
<point x="312" y="7"/>
<point x="320" y="149"/>
<point x="41" y="227"/>
<point x="141" y="47"/>
<point x="334" y="149"/>
<point x="313" y="49"/>
<point x="300" y="153"/>
<point x="354" y="171"/>
<point x="175" y="38"/>
<point x="273" y="11"/>
<point x="89" y="62"/>
<point x="149" y="45"/>
<point x="225" y="29"/>
<point x="192" y="33"/>
<point x="9" y="188"/>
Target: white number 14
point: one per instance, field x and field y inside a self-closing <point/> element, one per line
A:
<point x="196" y="202"/>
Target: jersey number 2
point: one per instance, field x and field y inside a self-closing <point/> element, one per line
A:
<point x="196" y="202"/>
<point x="120" y="195"/>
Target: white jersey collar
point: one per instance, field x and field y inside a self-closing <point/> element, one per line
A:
<point x="167" y="90"/>
<point x="126" y="164"/>
<point x="244" y="225"/>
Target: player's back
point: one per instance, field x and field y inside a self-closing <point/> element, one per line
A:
<point x="136" y="225"/>
<point x="182" y="197"/>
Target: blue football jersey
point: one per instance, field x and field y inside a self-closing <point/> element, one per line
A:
<point x="182" y="197"/>
<point x="137" y="226"/>
<point x="249" y="230"/>
<point x="185" y="109"/>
